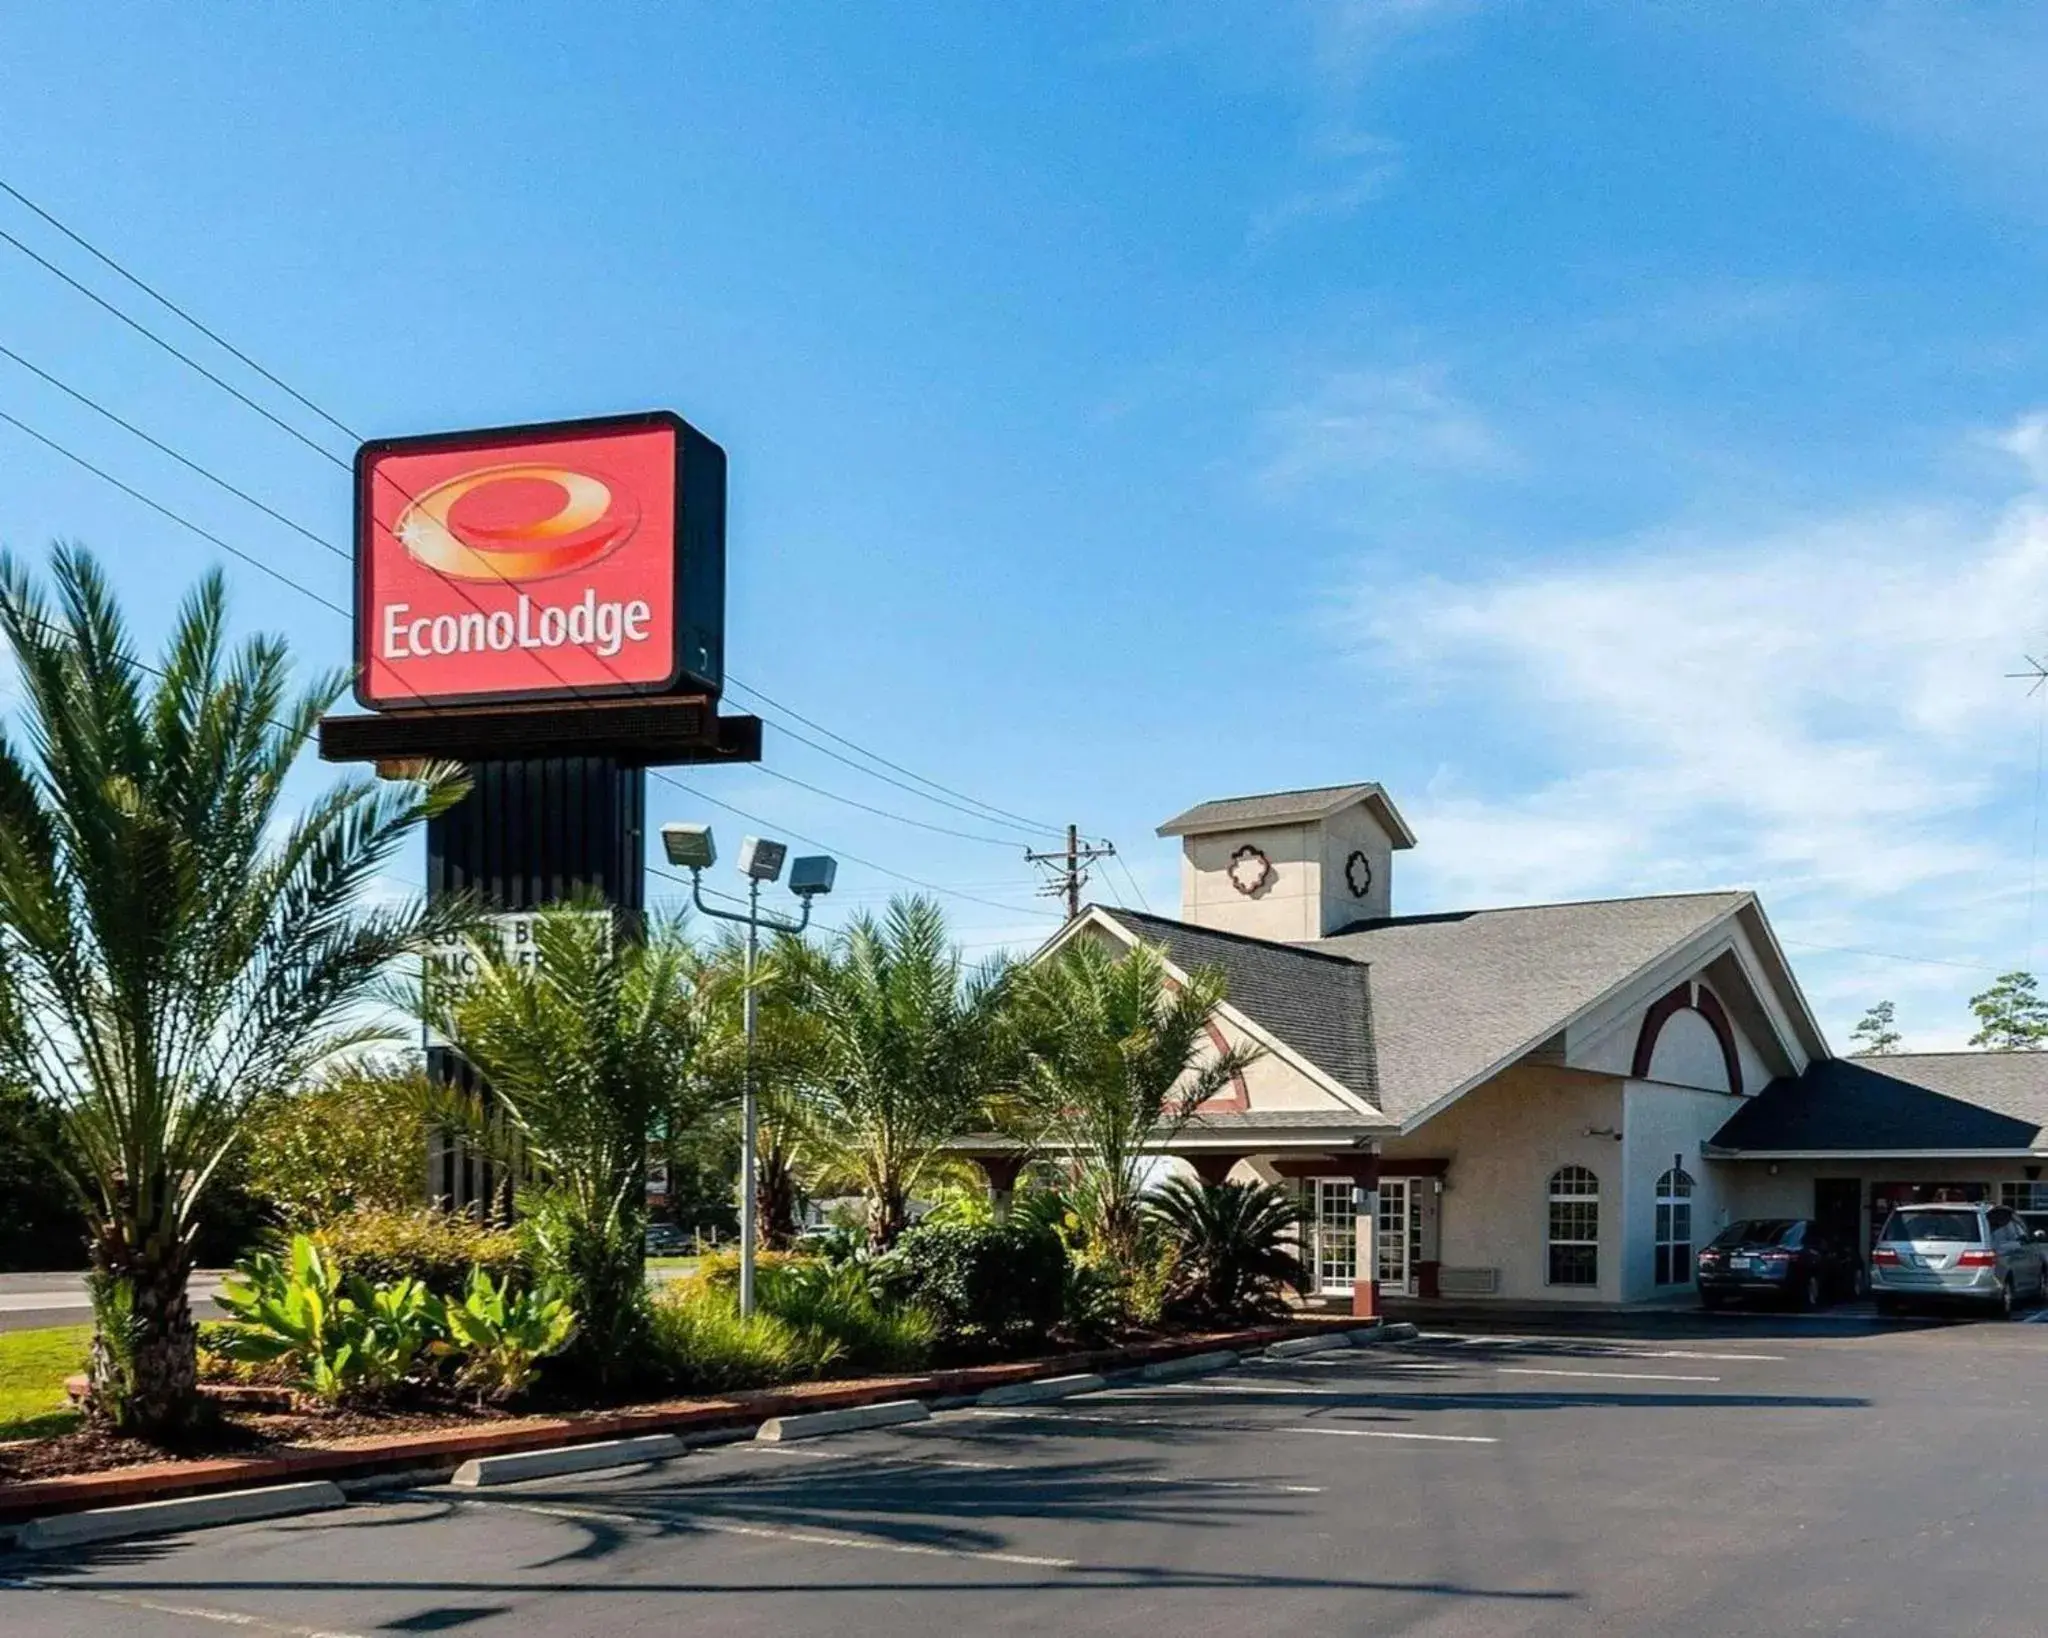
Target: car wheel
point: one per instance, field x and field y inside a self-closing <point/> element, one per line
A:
<point x="1859" y="1286"/>
<point x="2004" y="1300"/>
<point x="1809" y="1293"/>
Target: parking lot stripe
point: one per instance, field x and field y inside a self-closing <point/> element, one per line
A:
<point x="1225" y="1427"/>
<point x="1605" y="1376"/>
<point x="1264" y="1485"/>
<point x="1604" y="1351"/>
<point x="190" y="1612"/>
<point x="760" y="1532"/>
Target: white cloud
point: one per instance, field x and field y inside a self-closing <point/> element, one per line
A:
<point x="1354" y="421"/>
<point x="1823" y="714"/>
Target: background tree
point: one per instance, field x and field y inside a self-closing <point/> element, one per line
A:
<point x="176" y="947"/>
<point x="585" y="1048"/>
<point x="1117" y="1061"/>
<point x="355" y="1136"/>
<point x="2011" y="1015"/>
<point x="911" y="1051"/>
<point x="1875" y="1034"/>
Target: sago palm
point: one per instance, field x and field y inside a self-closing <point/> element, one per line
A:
<point x="584" y="1049"/>
<point x="1235" y="1243"/>
<point x="911" y="1051"/>
<point x="175" y="945"/>
<point x="1118" y="1057"/>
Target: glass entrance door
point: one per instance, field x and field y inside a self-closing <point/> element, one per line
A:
<point x="1336" y="1237"/>
<point x="1396" y="1202"/>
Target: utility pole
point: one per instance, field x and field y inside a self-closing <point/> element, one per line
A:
<point x="1070" y="869"/>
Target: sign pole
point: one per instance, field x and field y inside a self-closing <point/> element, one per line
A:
<point x="750" y="1227"/>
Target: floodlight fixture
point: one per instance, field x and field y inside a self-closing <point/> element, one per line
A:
<point x="812" y="875"/>
<point x="689" y="847"/>
<point x="762" y="859"/>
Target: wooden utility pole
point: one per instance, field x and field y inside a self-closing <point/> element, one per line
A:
<point x="1070" y="869"/>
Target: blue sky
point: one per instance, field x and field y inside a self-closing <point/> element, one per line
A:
<point x="1618" y="429"/>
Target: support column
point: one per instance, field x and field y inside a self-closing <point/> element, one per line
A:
<point x="1365" y="1284"/>
<point x="530" y="833"/>
<point x="1002" y="1172"/>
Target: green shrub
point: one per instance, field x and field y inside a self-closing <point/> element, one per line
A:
<point x="703" y="1345"/>
<point x="989" y="1287"/>
<point x="500" y="1339"/>
<point x="347" y="1141"/>
<point x="838" y="1305"/>
<point x="340" y="1336"/>
<point x="436" y="1248"/>
<point x="600" y="1263"/>
<point x="720" y="1270"/>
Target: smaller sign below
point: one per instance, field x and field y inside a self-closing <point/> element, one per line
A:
<point x="454" y="958"/>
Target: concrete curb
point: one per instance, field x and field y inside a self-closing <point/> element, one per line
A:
<point x="480" y="1471"/>
<point x="782" y="1429"/>
<point x="1046" y="1387"/>
<point x="1295" y="1347"/>
<point x="1172" y="1370"/>
<point x="1372" y="1336"/>
<point x="190" y="1513"/>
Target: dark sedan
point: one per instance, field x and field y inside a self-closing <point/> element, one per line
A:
<point x="1784" y="1259"/>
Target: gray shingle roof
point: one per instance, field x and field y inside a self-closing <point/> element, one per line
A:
<point x="1314" y="1002"/>
<point x="1431" y="1003"/>
<point x="1283" y="807"/>
<point x="1903" y="1101"/>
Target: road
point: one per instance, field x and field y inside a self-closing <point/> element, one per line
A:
<point x="1760" y="1481"/>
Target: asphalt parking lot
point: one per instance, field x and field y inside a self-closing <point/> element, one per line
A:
<point x="1760" y="1479"/>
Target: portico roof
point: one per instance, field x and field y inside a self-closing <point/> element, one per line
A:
<point x="1922" y="1103"/>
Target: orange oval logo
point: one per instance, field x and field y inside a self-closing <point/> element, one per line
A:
<point x="518" y="522"/>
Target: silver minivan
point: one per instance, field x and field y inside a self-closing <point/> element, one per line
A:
<point x="1957" y="1252"/>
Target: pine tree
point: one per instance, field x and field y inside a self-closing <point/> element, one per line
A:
<point x="1875" y="1035"/>
<point x="2012" y="1016"/>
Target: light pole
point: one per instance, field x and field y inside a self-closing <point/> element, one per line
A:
<point x="690" y="847"/>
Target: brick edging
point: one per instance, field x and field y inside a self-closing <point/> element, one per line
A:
<point x="450" y="1446"/>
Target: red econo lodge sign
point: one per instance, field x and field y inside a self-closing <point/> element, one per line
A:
<point x="568" y="561"/>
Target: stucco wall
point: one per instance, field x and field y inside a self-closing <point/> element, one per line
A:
<point x="1659" y="1122"/>
<point x="1687" y="1052"/>
<point x="1504" y="1139"/>
<point x="1354" y="830"/>
<point x="1287" y="907"/>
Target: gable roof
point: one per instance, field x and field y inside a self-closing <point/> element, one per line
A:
<point x="1317" y="1003"/>
<point x="1457" y="997"/>
<point x="1291" y="807"/>
<point x="1410" y="1011"/>
<point x="1905" y="1102"/>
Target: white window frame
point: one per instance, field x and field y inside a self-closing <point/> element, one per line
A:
<point x="1674" y="1197"/>
<point x="1575" y="1187"/>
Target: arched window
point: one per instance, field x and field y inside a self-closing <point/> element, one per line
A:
<point x="1674" y="1227"/>
<point x="1574" y="1227"/>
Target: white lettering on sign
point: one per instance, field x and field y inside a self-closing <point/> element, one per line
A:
<point x="603" y="628"/>
<point x="452" y="958"/>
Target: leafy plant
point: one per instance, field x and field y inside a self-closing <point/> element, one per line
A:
<point x="911" y="1052"/>
<point x="837" y="1302"/>
<point x="343" y="1337"/>
<point x="1117" y="1061"/>
<point x="348" y="1140"/>
<point x="437" y="1248"/>
<point x="987" y="1287"/>
<point x="703" y="1345"/>
<point x="175" y="950"/>
<point x="1236" y="1244"/>
<point x="500" y="1339"/>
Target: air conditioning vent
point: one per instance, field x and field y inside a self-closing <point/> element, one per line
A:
<point x="1468" y="1282"/>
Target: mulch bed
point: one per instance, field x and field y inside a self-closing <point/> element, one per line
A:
<point x="232" y="1433"/>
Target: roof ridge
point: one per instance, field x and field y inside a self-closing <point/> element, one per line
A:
<point x="1550" y="904"/>
<point x="1336" y="956"/>
<point x="2021" y="1053"/>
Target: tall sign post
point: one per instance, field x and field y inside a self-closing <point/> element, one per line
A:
<point x="546" y="605"/>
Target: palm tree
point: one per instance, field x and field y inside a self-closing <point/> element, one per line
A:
<point x="911" y="1052"/>
<point x="1118" y="1058"/>
<point x="174" y="947"/>
<point x="1236" y="1242"/>
<point x="585" y="1048"/>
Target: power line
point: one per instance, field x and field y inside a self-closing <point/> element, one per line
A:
<point x="328" y="455"/>
<point x="163" y="300"/>
<point x="899" y="818"/>
<point x="1888" y="955"/>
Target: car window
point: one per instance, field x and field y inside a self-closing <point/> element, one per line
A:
<point x="2000" y="1217"/>
<point x="1933" y="1223"/>
<point x="1757" y="1231"/>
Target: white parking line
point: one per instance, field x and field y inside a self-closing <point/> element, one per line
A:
<point x="1213" y="1427"/>
<point x="1606" y="1376"/>
<point x="814" y="1455"/>
<point x="1593" y="1343"/>
<point x="805" y="1538"/>
<point x="190" y="1612"/>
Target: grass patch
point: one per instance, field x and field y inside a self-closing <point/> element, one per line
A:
<point x="33" y="1366"/>
<point x="682" y="1265"/>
